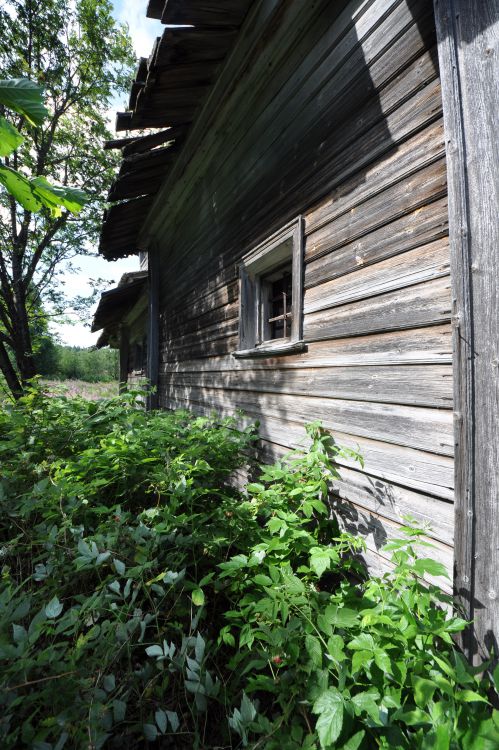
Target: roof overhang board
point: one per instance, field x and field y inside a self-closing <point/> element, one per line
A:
<point x="141" y="174"/>
<point x="116" y="303"/>
<point x="155" y="9"/>
<point x="169" y="90"/>
<point x="121" y="227"/>
<point x="203" y="13"/>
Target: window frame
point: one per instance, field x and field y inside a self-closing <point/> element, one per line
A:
<point x="283" y="247"/>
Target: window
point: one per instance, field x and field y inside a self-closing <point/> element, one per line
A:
<point x="270" y="314"/>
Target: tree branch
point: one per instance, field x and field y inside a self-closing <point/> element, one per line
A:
<point x="42" y="245"/>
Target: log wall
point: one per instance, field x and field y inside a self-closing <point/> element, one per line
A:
<point x="336" y="114"/>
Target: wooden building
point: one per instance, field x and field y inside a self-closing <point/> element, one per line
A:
<point x="318" y="206"/>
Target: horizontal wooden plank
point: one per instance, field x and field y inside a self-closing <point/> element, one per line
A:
<point x="417" y="228"/>
<point x="398" y="165"/>
<point x="417" y="385"/>
<point x="216" y="290"/>
<point x="429" y="473"/>
<point x="180" y="325"/>
<point x="417" y="346"/>
<point x="332" y="93"/>
<point x="223" y="329"/>
<point x="420" y="305"/>
<point x="394" y="502"/>
<point x="218" y="347"/>
<point x="415" y="427"/>
<point x="429" y="184"/>
<point x="412" y="267"/>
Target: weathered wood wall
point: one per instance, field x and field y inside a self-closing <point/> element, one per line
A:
<point x="134" y="333"/>
<point x="335" y="114"/>
<point x="468" y="36"/>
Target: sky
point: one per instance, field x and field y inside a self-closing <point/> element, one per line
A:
<point x="143" y="32"/>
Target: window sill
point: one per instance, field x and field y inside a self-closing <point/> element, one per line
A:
<point x="272" y="350"/>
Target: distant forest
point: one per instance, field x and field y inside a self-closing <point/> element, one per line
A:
<point x="76" y="363"/>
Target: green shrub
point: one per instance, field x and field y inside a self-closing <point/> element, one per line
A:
<point x="145" y="602"/>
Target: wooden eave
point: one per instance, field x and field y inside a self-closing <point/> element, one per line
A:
<point x="121" y="227"/>
<point x="168" y="93"/>
<point x="116" y="303"/>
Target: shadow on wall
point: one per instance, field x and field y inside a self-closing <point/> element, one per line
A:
<point x="337" y="115"/>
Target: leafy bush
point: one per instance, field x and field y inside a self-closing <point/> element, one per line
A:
<point x="145" y="602"/>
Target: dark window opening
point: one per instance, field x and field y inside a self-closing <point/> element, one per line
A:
<point x="278" y="314"/>
<point x="271" y="294"/>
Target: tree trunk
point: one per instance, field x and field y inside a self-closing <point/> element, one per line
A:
<point x="9" y="373"/>
<point x="21" y="337"/>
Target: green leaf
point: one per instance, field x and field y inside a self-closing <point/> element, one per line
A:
<point x="119" y="710"/>
<point x="199" y="648"/>
<point x="55" y="196"/>
<point x="329" y="706"/>
<point x="438" y="739"/>
<point x="173" y="719"/>
<point x="19" y="633"/>
<point x="470" y="696"/>
<point x="456" y="624"/>
<point x="161" y="720"/>
<point x="319" y="561"/>
<point x="432" y="567"/>
<point x="10" y="137"/>
<point x="368" y="702"/>
<point x="363" y="642"/>
<point x="314" y="650"/>
<point x="53" y="608"/>
<point x="341" y="617"/>
<point x="423" y="690"/>
<point x="150" y="732"/>
<point x="354" y="742"/>
<point x="293" y="584"/>
<point x="382" y="660"/>
<point x="361" y="660"/>
<point x="495" y="677"/>
<point x="154" y="651"/>
<point x="119" y="567"/>
<point x="414" y="717"/>
<point x="109" y="683"/>
<point x="335" y="647"/>
<point x="262" y="580"/>
<point x="248" y="711"/>
<point x="25" y="97"/>
<point x="20" y="188"/>
<point x="198" y="597"/>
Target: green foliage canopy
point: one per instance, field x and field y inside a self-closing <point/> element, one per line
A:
<point x="26" y="98"/>
<point x="81" y="58"/>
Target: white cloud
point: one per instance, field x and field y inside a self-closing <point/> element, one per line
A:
<point x="143" y="30"/>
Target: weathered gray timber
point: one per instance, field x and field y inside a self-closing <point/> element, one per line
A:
<point x="352" y="118"/>
<point x="153" y="329"/>
<point x="332" y="111"/>
<point x="124" y="340"/>
<point x="468" y="37"/>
